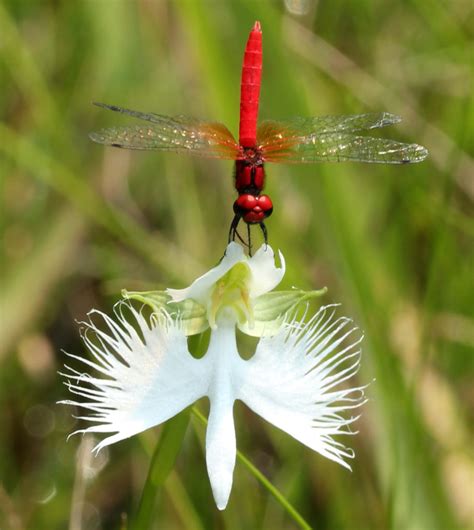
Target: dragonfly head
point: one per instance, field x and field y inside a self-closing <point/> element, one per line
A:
<point x="253" y="209"/>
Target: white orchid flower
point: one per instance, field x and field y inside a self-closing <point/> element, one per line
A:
<point x="147" y="375"/>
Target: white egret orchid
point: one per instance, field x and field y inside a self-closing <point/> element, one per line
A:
<point x="147" y="375"/>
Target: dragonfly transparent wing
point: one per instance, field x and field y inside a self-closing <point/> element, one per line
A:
<point x="331" y="139"/>
<point x="163" y="133"/>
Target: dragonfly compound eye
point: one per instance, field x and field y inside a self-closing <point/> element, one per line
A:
<point x="245" y="203"/>
<point x="265" y="204"/>
<point x="253" y="209"/>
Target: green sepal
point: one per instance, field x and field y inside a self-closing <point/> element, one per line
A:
<point x="271" y="309"/>
<point x="191" y="314"/>
<point x="155" y="299"/>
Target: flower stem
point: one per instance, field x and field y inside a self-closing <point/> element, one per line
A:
<point x="273" y="490"/>
<point x="162" y="463"/>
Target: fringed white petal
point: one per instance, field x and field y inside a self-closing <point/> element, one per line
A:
<point x="144" y="373"/>
<point x="293" y="381"/>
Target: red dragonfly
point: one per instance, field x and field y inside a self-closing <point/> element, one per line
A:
<point x="305" y="140"/>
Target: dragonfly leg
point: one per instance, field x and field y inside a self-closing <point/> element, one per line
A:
<point x="233" y="228"/>
<point x="233" y="231"/>
<point x="233" y="234"/>
<point x="249" y="244"/>
<point x="265" y="233"/>
<point x="241" y="239"/>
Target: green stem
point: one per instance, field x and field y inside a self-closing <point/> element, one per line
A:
<point x="273" y="490"/>
<point x="162" y="463"/>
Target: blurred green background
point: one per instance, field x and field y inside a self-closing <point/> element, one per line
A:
<point x="394" y="245"/>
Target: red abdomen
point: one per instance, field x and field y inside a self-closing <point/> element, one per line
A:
<point x="250" y="88"/>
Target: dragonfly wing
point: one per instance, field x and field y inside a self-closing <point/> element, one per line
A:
<point x="330" y="139"/>
<point x="340" y="147"/>
<point x="163" y="133"/>
<point x="326" y="124"/>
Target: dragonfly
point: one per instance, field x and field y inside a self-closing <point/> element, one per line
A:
<point x="297" y="140"/>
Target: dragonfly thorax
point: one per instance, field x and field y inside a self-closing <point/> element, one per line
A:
<point x="249" y="176"/>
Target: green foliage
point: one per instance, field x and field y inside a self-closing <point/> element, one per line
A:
<point x="394" y="245"/>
